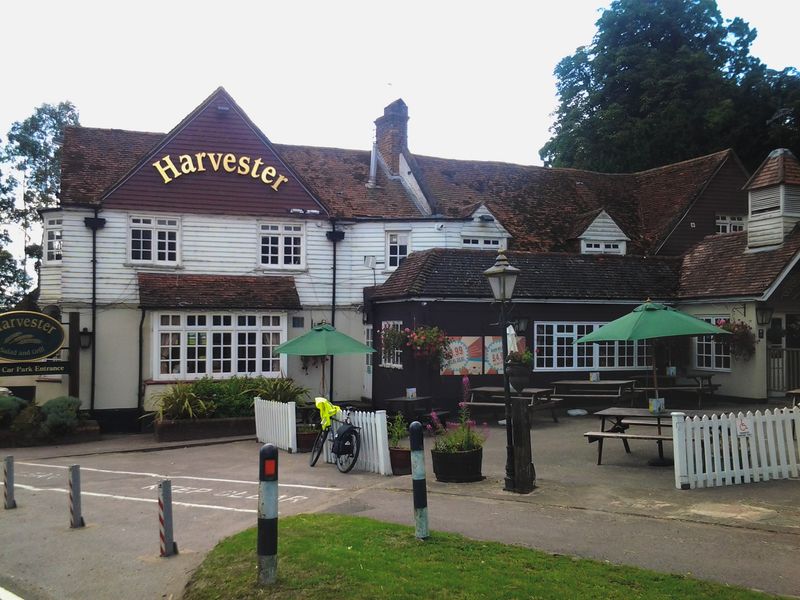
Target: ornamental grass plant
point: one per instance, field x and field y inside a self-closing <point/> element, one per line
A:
<point x="459" y="436"/>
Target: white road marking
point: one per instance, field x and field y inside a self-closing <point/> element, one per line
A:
<point x="6" y="595"/>
<point x="173" y="477"/>
<point x="292" y="499"/>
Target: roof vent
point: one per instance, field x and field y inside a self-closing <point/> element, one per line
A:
<point x="223" y="108"/>
<point x="486" y="218"/>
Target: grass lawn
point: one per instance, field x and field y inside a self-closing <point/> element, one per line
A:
<point x="333" y="556"/>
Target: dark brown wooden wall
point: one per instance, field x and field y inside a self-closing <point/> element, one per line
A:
<point x="724" y="195"/>
<point x="210" y="192"/>
<point x="471" y="319"/>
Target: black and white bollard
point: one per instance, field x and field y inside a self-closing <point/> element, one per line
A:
<point x="75" y="516"/>
<point x="8" y="483"/>
<point x="167" y="544"/>
<point x="418" y="481"/>
<point x="267" y="514"/>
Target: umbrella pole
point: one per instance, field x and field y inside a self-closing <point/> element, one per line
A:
<point x="655" y="370"/>
<point x="322" y="381"/>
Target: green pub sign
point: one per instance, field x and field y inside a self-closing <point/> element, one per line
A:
<point x="27" y="336"/>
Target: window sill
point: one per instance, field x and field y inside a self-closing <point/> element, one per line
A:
<point x="283" y="270"/>
<point x="152" y="266"/>
<point x="390" y="366"/>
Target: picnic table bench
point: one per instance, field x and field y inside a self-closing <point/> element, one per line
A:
<point x="494" y="398"/>
<point x="582" y="389"/>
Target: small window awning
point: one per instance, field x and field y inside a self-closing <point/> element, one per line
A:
<point x="215" y="292"/>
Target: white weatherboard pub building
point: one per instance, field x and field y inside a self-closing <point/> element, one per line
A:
<point x="195" y="253"/>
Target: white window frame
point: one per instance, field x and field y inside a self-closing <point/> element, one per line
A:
<point x="156" y="225"/>
<point x="603" y="247"/>
<point x="710" y="354"/>
<point x="481" y="243"/>
<point x="263" y="331"/>
<point x="730" y="223"/>
<point x="401" y="235"/>
<point x="283" y="231"/>
<point x="53" y="240"/>
<point x="391" y="360"/>
<point x="634" y="356"/>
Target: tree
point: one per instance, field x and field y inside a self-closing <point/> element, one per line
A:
<point x="32" y="155"/>
<point x="13" y="279"/>
<point x="667" y="80"/>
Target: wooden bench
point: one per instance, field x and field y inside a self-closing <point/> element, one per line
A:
<point x="612" y="391"/>
<point x="599" y="436"/>
<point x="701" y="390"/>
<point x="646" y="422"/>
<point x="534" y="404"/>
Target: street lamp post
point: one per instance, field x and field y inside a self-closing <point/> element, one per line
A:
<point x="502" y="278"/>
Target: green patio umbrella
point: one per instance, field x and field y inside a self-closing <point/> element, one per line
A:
<point x="323" y="340"/>
<point x="648" y="321"/>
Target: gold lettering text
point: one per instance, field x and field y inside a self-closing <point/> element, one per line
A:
<point x="187" y="166"/>
<point x="268" y="172"/>
<point x="162" y="170"/>
<point x="200" y="156"/>
<point x="279" y="181"/>
<point x="244" y="165"/>
<point x="256" y="165"/>
<point x="215" y="158"/>
<point x="229" y="163"/>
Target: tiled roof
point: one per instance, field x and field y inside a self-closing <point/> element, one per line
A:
<point x="459" y="273"/>
<point x="538" y="206"/>
<point x="93" y="159"/>
<point x="214" y="292"/>
<point x="720" y="266"/>
<point x="781" y="166"/>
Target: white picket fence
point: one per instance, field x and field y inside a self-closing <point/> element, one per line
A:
<point x="735" y="448"/>
<point x="276" y="424"/>
<point x="374" y="454"/>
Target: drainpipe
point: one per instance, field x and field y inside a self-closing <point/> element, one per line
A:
<point x="334" y="236"/>
<point x="140" y="384"/>
<point x="94" y="223"/>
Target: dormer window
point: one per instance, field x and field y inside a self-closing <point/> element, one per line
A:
<point x="482" y="243"/>
<point x="730" y="223"/>
<point x="600" y="247"/>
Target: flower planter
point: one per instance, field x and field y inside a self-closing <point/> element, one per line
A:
<point x="305" y="440"/>
<point x="518" y="376"/>
<point x="401" y="461"/>
<point x="179" y="430"/>
<point x="87" y="431"/>
<point x="457" y="467"/>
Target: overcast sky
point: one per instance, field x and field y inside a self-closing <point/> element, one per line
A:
<point x="477" y="76"/>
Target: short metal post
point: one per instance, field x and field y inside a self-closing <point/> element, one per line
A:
<point x="168" y="546"/>
<point x="681" y="461"/>
<point x="267" y="514"/>
<point x="420" y="488"/>
<point x="75" y="516"/>
<point x="8" y="483"/>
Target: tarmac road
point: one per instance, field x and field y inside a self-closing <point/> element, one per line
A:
<point x="623" y="512"/>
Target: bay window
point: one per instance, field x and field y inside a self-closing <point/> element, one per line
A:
<point x="555" y="349"/>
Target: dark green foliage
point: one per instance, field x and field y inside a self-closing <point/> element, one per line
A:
<point x="10" y="407"/>
<point x="13" y="278"/>
<point x="181" y="402"/>
<point x="28" y="422"/>
<point x="667" y="80"/>
<point x="60" y="415"/>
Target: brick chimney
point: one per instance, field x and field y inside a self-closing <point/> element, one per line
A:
<point x="391" y="134"/>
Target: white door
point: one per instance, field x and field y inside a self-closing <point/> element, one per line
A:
<point x="366" y="390"/>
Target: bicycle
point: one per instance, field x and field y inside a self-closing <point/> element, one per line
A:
<point x="346" y="440"/>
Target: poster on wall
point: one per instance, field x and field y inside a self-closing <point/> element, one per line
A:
<point x="466" y="356"/>
<point x="493" y="355"/>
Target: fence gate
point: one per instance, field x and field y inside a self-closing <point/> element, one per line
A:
<point x="783" y="370"/>
<point x="735" y="448"/>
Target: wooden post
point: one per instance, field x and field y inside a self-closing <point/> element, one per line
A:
<point x="74" y="354"/>
<point x="679" y="451"/>
<point x="524" y="472"/>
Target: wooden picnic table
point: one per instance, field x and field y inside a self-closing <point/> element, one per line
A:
<point x="409" y="407"/>
<point x="605" y="389"/>
<point x="493" y="397"/>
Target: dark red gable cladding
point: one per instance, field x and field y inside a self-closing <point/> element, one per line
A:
<point x="215" y="161"/>
<point x="217" y="292"/>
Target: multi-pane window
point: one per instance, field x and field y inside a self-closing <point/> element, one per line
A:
<point x="396" y="248"/>
<point x="730" y="223"/>
<point x="154" y="240"/>
<point x="194" y="345"/>
<point x="599" y="247"/>
<point x="391" y="357"/>
<point x="368" y="342"/>
<point x="481" y="242"/>
<point x="711" y="352"/>
<point x="282" y="245"/>
<point x="53" y="233"/>
<point x="556" y="349"/>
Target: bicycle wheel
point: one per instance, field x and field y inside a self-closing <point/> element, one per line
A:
<point x="347" y="460"/>
<point x="319" y="443"/>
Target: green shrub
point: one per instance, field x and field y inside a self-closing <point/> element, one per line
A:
<point x="282" y="390"/>
<point x="180" y="402"/>
<point x="28" y="422"/>
<point x="397" y="429"/>
<point x="60" y="415"/>
<point x="233" y="397"/>
<point x="10" y="406"/>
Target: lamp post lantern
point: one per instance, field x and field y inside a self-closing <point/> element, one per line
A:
<point x="502" y="279"/>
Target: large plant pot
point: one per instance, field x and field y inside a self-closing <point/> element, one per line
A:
<point x="457" y="467"/>
<point x="518" y="376"/>
<point x="401" y="461"/>
<point x="305" y="440"/>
